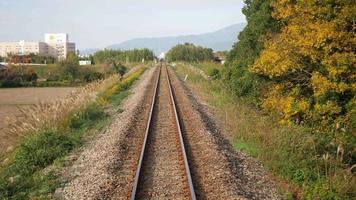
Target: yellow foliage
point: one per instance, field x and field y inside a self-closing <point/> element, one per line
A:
<point x="330" y="108"/>
<point x="313" y="54"/>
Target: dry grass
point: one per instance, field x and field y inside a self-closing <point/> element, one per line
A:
<point x="51" y="115"/>
<point x="12" y="99"/>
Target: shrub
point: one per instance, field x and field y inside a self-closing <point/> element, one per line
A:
<point x="93" y="76"/>
<point x="120" y="69"/>
<point x="41" y="150"/>
<point x="35" y="153"/>
<point x="214" y="73"/>
<point x="53" y="77"/>
<point x="17" y="76"/>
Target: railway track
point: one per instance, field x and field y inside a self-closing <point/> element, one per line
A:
<point x="163" y="171"/>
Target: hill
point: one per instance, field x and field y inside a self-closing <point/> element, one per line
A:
<point x="219" y="40"/>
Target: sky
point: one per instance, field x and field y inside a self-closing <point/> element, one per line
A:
<point x="100" y="23"/>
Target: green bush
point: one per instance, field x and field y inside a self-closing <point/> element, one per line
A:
<point x="120" y="69"/>
<point x="94" y="112"/>
<point x="214" y="73"/>
<point x="53" y="77"/>
<point x="41" y="150"/>
<point x="89" y="115"/>
<point x="93" y="76"/>
<point x="37" y="152"/>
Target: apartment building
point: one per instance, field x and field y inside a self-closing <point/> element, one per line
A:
<point x="55" y="45"/>
<point x="22" y="48"/>
<point x="59" y="45"/>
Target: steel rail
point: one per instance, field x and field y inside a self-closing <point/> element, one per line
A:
<point x="186" y="166"/>
<point x="134" y="189"/>
<point x="185" y="160"/>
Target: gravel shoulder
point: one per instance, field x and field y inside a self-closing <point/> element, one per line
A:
<point x="218" y="170"/>
<point x="93" y="174"/>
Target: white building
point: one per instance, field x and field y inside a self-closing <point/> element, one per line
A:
<point x="59" y="45"/>
<point x="22" y="48"/>
<point x="84" y="62"/>
<point x="55" y="45"/>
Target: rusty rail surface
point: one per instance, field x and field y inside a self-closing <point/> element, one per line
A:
<point x="188" y="178"/>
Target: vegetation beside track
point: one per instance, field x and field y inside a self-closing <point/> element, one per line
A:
<point x="189" y="53"/>
<point x="32" y="170"/>
<point x="306" y="159"/>
<point x="68" y="72"/>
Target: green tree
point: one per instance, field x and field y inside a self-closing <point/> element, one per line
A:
<point x="70" y="67"/>
<point x="120" y="69"/>
<point x="189" y="53"/>
<point x="250" y="44"/>
<point x="117" y="56"/>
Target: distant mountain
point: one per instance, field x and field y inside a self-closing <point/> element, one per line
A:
<point x="220" y="40"/>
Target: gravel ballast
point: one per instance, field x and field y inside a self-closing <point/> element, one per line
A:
<point x="106" y="167"/>
<point x="218" y="171"/>
<point x="95" y="171"/>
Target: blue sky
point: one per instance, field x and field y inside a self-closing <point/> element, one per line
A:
<point x="99" y="23"/>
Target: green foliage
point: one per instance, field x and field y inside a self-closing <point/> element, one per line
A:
<point x="246" y="147"/>
<point x="250" y="43"/>
<point x="120" y="69"/>
<point x="41" y="150"/>
<point x="70" y="67"/>
<point x="117" y="56"/>
<point x="17" y="76"/>
<point x="189" y="53"/>
<point x="90" y="76"/>
<point x="28" y="175"/>
<point x="42" y="59"/>
<point x="111" y="93"/>
<point x="214" y="73"/>
<point x="316" y="160"/>
<point x="21" y="177"/>
<point x="92" y="113"/>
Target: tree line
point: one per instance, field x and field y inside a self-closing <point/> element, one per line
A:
<point x="120" y="56"/>
<point x="64" y="73"/>
<point x="189" y="53"/>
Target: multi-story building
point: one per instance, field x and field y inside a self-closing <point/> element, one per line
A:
<point x="22" y="48"/>
<point x="55" y="45"/>
<point x="59" y="45"/>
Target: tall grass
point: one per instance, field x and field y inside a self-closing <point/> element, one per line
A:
<point x="27" y="174"/>
<point x="312" y="160"/>
<point x="52" y="115"/>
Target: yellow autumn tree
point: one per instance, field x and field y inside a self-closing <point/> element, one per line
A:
<point x="312" y="62"/>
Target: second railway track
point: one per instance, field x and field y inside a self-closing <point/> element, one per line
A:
<point x="163" y="171"/>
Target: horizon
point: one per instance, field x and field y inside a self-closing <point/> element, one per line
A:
<point x="98" y="24"/>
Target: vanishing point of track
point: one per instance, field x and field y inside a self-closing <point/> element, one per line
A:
<point x="162" y="170"/>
